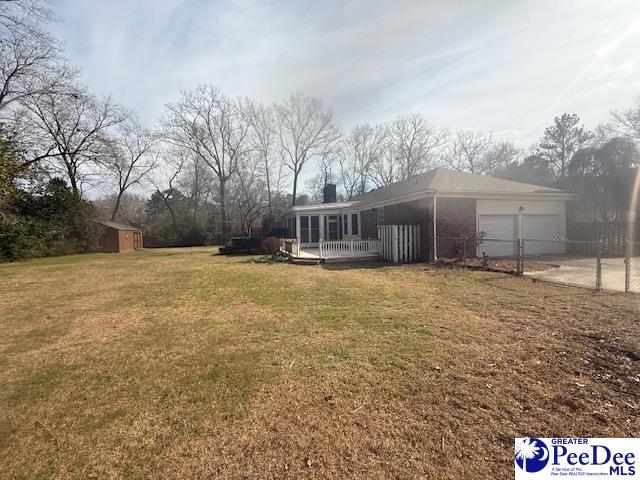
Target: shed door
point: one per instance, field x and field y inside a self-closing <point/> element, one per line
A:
<point x="498" y="227"/>
<point x="542" y="233"/>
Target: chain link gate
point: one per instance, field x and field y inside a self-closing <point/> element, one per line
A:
<point x="632" y="267"/>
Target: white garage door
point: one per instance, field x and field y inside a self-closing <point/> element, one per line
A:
<point x="498" y="227"/>
<point x="543" y="233"/>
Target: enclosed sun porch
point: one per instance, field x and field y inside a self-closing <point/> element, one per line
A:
<point x="329" y="230"/>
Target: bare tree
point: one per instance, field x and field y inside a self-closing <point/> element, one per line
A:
<point x="468" y="150"/>
<point x="500" y="156"/>
<point x="415" y="143"/>
<point x="363" y="147"/>
<point x="165" y="181"/>
<point x="305" y="129"/>
<point x="198" y="184"/>
<point x="315" y="185"/>
<point x="23" y="17"/>
<point x="30" y="67"/>
<point x="131" y="211"/>
<point x="72" y="129"/>
<point x="264" y="144"/>
<point x="212" y="126"/>
<point x="386" y="168"/>
<point x="627" y="123"/>
<point x="129" y="157"/>
<point x="249" y="195"/>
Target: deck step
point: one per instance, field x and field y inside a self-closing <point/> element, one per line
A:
<point x="305" y="261"/>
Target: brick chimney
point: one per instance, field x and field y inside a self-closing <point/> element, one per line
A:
<point x="329" y="193"/>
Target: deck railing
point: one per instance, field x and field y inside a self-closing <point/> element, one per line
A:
<point x="349" y="248"/>
<point x="290" y="246"/>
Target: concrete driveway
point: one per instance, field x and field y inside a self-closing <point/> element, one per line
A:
<point x="581" y="271"/>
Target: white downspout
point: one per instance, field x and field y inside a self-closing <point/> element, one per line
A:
<point x="435" y="227"/>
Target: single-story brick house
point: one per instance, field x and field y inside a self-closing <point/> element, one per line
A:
<point x="118" y="237"/>
<point x="445" y="204"/>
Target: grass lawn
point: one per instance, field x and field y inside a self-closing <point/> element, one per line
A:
<point x="180" y="364"/>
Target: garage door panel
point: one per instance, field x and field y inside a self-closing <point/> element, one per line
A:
<point x="498" y="227"/>
<point x="542" y="234"/>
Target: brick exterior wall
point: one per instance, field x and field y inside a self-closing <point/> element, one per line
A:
<point x="109" y="241"/>
<point x="417" y="212"/>
<point x="456" y="218"/>
<point x="369" y="228"/>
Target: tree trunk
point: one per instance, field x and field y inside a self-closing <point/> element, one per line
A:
<point x="223" y="208"/>
<point x="195" y="205"/>
<point x="295" y="188"/>
<point x="266" y="171"/>
<point x="116" y="207"/>
<point x="171" y="212"/>
<point x="73" y="182"/>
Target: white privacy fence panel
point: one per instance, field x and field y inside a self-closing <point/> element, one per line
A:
<point x="349" y="248"/>
<point x="400" y="243"/>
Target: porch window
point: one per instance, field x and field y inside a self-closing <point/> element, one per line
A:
<point x="332" y="231"/>
<point x="315" y="229"/>
<point x="354" y="224"/>
<point x="380" y="216"/>
<point x="345" y="224"/>
<point x="304" y="229"/>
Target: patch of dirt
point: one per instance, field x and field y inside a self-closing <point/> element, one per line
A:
<point x="493" y="265"/>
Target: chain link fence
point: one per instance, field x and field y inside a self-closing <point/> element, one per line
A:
<point x="632" y="267"/>
<point x="565" y="262"/>
<point x="561" y="261"/>
<point x="475" y="252"/>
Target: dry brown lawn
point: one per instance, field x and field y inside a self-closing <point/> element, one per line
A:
<point x="177" y="364"/>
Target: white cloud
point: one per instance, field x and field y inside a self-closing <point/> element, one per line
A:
<point x="498" y="65"/>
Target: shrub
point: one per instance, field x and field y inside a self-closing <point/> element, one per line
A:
<point x="16" y="238"/>
<point x="54" y="222"/>
<point x="271" y="245"/>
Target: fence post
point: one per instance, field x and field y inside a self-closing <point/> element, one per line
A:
<point x="599" y="266"/>
<point x="627" y="265"/>
<point x="464" y="251"/>
<point x="520" y="257"/>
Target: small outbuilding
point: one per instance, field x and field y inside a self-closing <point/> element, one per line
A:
<point x="118" y="238"/>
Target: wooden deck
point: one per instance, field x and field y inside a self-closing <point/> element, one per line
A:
<point x="312" y="256"/>
<point x="332" y="251"/>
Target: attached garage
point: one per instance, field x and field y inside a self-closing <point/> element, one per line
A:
<point x="542" y="233"/>
<point x="451" y="205"/>
<point x="498" y="227"/>
<point x="539" y="221"/>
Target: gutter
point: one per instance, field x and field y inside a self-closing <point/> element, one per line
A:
<point x="435" y="226"/>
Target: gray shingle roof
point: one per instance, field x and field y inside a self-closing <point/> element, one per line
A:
<point x="441" y="179"/>
<point x="118" y="226"/>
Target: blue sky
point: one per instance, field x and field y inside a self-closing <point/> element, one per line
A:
<point x="506" y="67"/>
